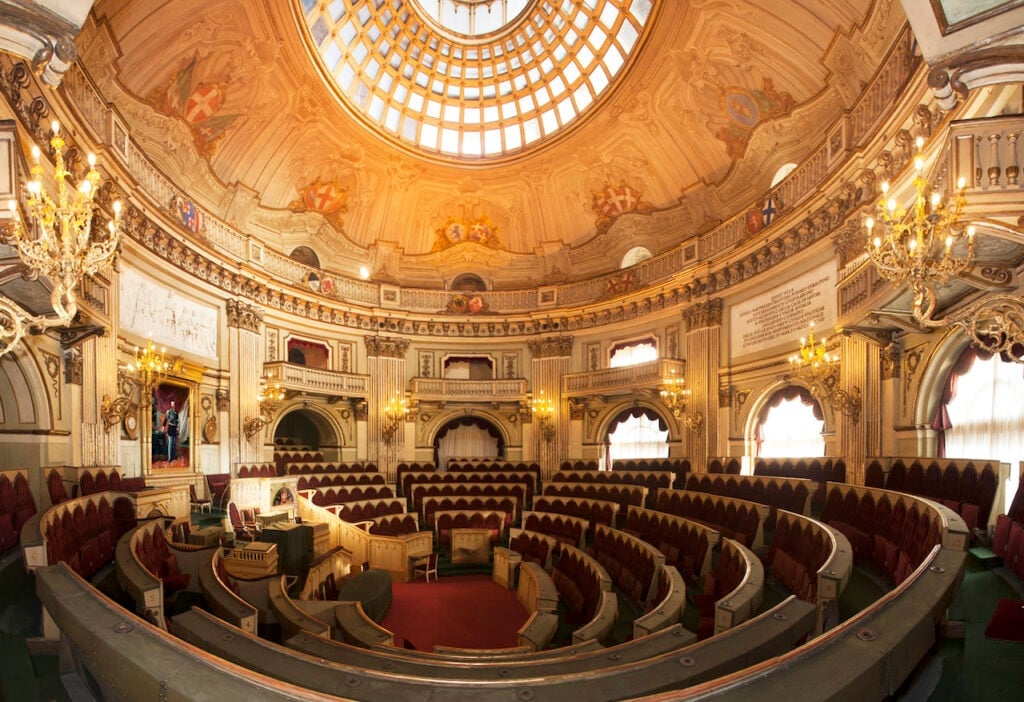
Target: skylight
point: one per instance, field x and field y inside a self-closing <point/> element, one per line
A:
<point x="474" y="78"/>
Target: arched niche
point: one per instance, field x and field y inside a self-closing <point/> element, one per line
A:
<point x="758" y="406"/>
<point x="314" y="426"/>
<point x="486" y="421"/>
<point x="611" y="414"/>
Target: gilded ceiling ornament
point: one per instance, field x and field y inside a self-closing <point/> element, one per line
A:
<point x="615" y="200"/>
<point x="329" y="198"/>
<point x="244" y="316"/>
<point x="456" y="230"/>
<point x="198" y="99"/>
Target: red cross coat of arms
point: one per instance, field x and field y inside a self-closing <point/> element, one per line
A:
<point x="203" y="102"/>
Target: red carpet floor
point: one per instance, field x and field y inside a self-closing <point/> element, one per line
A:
<point x="468" y="611"/>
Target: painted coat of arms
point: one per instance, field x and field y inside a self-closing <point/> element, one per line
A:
<point x="459" y="231"/>
<point x="329" y="198"/>
<point x="616" y="200"/>
<point x="200" y="103"/>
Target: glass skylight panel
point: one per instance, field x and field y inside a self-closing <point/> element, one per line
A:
<point x="518" y="66"/>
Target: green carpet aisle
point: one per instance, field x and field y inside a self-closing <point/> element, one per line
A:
<point x="469" y="611"/>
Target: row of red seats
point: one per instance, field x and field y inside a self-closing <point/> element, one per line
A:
<point x="518" y="491"/>
<point x="684" y="545"/>
<point x="780" y="494"/>
<point x="283" y="458"/>
<point x="735" y="521"/>
<point x="369" y="509"/>
<point x="532" y="547"/>
<point x="967" y="489"/>
<point x="818" y="470"/>
<point x="16" y="507"/>
<point x="728" y="572"/>
<point x="594" y="511"/>
<point x="494" y="521"/>
<point x="630" y="565"/>
<point x="896" y="538"/>
<point x="622" y="495"/>
<point x="494" y="466"/>
<point x="394" y="525"/>
<point x="797" y="552"/>
<point x="650" y="479"/>
<point x="564" y="530"/>
<point x="524" y="477"/>
<point x="156" y="556"/>
<point x="339" y="495"/>
<point x="89" y="485"/>
<point x="318" y="468"/>
<point x="257" y="470"/>
<point x="579" y="587"/>
<point x="85" y="538"/>
<point x="498" y="503"/>
<point x="339" y="479"/>
<point x="724" y="466"/>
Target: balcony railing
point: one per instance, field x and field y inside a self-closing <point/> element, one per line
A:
<point x="626" y="378"/>
<point x="455" y="389"/>
<point x="318" y="381"/>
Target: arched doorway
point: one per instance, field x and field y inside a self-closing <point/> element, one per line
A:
<point x="307" y="430"/>
<point x="469" y="436"/>
<point x="790" y="425"/>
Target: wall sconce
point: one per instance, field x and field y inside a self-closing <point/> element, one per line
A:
<point x="543" y="410"/>
<point x="820" y="370"/>
<point x="395" y="413"/>
<point x="674" y="394"/>
<point x="270" y="400"/>
<point x="115" y="411"/>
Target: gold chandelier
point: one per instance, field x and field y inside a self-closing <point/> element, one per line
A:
<point x="148" y="369"/>
<point x="926" y="247"/>
<point x="814" y="365"/>
<point x="543" y="410"/>
<point x="270" y="399"/>
<point x="57" y="241"/>
<point x="675" y="395"/>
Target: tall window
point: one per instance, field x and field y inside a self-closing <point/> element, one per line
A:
<point x="632" y="353"/>
<point x="637" y="433"/>
<point x="791" y="426"/>
<point x="984" y="415"/>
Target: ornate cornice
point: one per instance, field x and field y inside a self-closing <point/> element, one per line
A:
<point x="387" y="346"/>
<point x="703" y="314"/>
<point x="244" y="316"/>
<point x="551" y="347"/>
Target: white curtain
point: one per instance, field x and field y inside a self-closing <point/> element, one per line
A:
<point x="638" y="437"/>
<point x="466" y="441"/>
<point x="791" y="430"/>
<point x="987" y="417"/>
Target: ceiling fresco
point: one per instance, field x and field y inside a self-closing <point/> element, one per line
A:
<point x="231" y="102"/>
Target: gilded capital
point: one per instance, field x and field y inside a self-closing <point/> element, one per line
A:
<point x="244" y="316"/>
<point x="387" y="346"/>
<point x="703" y="314"/>
<point x="551" y="347"/>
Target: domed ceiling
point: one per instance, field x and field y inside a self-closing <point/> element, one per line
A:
<point x="533" y="142"/>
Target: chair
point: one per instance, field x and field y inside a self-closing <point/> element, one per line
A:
<point x="426" y="567"/>
<point x="198" y="504"/>
<point x="243" y="530"/>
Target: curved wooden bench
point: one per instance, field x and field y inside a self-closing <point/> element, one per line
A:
<point x="291" y="618"/>
<point x="666" y="611"/>
<point x="222" y="601"/>
<point x="358" y="629"/>
<point x="536" y="591"/>
<point x="603" y="621"/>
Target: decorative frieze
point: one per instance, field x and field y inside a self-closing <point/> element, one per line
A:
<point x="703" y="314"/>
<point x="552" y="347"/>
<point x="387" y="346"/>
<point x="244" y="316"/>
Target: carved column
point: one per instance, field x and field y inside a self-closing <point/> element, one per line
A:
<point x="245" y="359"/>
<point x="703" y="350"/>
<point x="552" y="358"/>
<point x="386" y="365"/>
<point x="860" y="426"/>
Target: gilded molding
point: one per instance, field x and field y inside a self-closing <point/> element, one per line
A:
<point x="551" y="347"/>
<point x="386" y="346"/>
<point x="244" y="316"/>
<point x="703" y="314"/>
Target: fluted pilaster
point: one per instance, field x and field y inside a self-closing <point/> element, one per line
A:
<point x="552" y="358"/>
<point x="860" y="435"/>
<point x="245" y="359"/>
<point x="386" y="366"/>
<point x="703" y="350"/>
